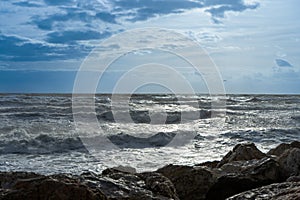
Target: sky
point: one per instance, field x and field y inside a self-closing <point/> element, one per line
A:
<point x="255" y="44"/>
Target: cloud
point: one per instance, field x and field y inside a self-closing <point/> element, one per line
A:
<point x="13" y="48"/>
<point x="73" y="36"/>
<point x="145" y="9"/>
<point x="46" y="23"/>
<point x="218" y="8"/>
<point x="134" y="10"/>
<point x="59" y="2"/>
<point x="27" y="4"/>
<point x="282" y="63"/>
<point x="56" y="29"/>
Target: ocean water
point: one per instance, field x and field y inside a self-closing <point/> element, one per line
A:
<point x="39" y="132"/>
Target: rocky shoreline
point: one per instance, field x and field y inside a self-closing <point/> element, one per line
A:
<point x="243" y="173"/>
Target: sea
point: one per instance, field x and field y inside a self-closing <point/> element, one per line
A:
<point x="42" y="132"/>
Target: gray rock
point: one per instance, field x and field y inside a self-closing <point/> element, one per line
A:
<point x="190" y="182"/>
<point x="277" y="191"/>
<point x="159" y="184"/>
<point x="117" y="184"/>
<point x="240" y="176"/>
<point x="242" y="152"/>
<point x="114" y="185"/>
<point x="280" y="149"/>
<point x="20" y="185"/>
<point x="290" y="162"/>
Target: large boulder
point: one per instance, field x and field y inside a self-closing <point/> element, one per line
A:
<point x="277" y="191"/>
<point x="242" y="152"/>
<point x="113" y="185"/>
<point x="190" y="182"/>
<point x="159" y="184"/>
<point x="280" y="149"/>
<point x="37" y="187"/>
<point x="119" y="184"/>
<point x="240" y="176"/>
<point x="290" y="162"/>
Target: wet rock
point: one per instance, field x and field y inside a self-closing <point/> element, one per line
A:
<point x="263" y="169"/>
<point x="240" y="176"/>
<point x="30" y="186"/>
<point x="210" y="164"/>
<point x="117" y="184"/>
<point x="242" y="152"/>
<point x="8" y="179"/>
<point x="290" y="162"/>
<point x="278" y="191"/>
<point x="190" y="182"/>
<point x="293" y="179"/>
<point x="280" y="149"/>
<point x="113" y="185"/>
<point x="243" y="169"/>
<point x="159" y="184"/>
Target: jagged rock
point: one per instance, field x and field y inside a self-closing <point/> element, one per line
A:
<point x="210" y="164"/>
<point x="32" y="186"/>
<point x="115" y="185"/>
<point x="159" y="184"/>
<point x="280" y="149"/>
<point x="242" y="169"/>
<point x="120" y="185"/>
<point x="242" y="152"/>
<point x="278" y="191"/>
<point x="190" y="182"/>
<point x="293" y="179"/>
<point x="127" y="169"/>
<point x="240" y="176"/>
<point x="290" y="162"/>
<point x="263" y="169"/>
<point x="8" y="179"/>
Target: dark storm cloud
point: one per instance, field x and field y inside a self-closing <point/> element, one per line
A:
<point x="46" y="23"/>
<point x="59" y="2"/>
<point x="93" y="20"/>
<point x="136" y="10"/>
<point x="145" y="9"/>
<point x="73" y="36"/>
<point x="13" y="48"/>
<point x="27" y="4"/>
<point x="220" y="7"/>
<point x="282" y="63"/>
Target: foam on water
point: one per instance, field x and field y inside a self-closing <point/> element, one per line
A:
<point x="37" y="132"/>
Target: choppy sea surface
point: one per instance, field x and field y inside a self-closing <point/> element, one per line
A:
<point x="38" y="132"/>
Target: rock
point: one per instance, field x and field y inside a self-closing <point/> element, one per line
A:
<point x="8" y="179"/>
<point x="240" y="176"/>
<point x="127" y="169"/>
<point x="241" y="171"/>
<point x="280" y="149"/>
<point x="190" y="182"/>
<point x="159" y="184"/>
<point x="293" y="179"/>
<point x="263" y="169"/>
<point x="210" y="164"/>
<point x="290" y="162"/>
<point x="242" y="152"/>
<point x="277" y="191"/>
<point x="117" y="184"/>
<point x="114" y="185"/>
<point x="21" y="185"/>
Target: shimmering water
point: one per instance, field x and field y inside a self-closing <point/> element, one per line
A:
<point x="38" y="132"/>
